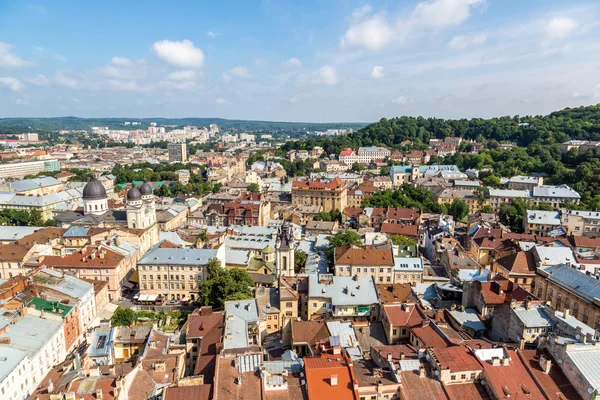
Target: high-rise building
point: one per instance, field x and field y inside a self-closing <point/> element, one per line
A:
<point x="177" y="152"/>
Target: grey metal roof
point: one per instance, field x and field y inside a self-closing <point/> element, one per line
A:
<point x="344" y="331"/>
<point x="534" y="317"/>
<point x="31" y="333"/>
<point x="244" y="309"/>
<point x="68" y="284"/>
<point x="511" y="193"/>
<point x="344" y="290"/>
<point x="166" y="256"/>
<point x="553" y="255"/>
<point x="561" y="191"/>
<point x="236" y="333"/>
<point x="16" y="232"/>
<point x="575" y="279"/>
<point x="13" y="359"/>
<point x="469" y="318"/>
<point x="587" y="361"/>
<point x="35" y="183"/>
<point x="524" y="179"/>
<point x="543" y="217"/>
<point x="76" y="231"/>
<point x="408" y="264"/>
<point x="103" y="338"/>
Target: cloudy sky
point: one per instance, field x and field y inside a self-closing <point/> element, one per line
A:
<point x="322" y="60"/>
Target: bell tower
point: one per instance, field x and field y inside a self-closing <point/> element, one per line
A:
<point x="284" y="248"/>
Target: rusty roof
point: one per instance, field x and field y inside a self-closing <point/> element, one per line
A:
<point x="350" y="255"/>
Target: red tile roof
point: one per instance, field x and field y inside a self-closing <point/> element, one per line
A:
<point x="521" y="263"/>
<point x="552" y="383"/>
<point x="403" y="213"/>
<point x="319" y="371"/>
<point x="347" y="255"/>
<point x="467" y="391"/>
<point x="399" y="229"/>
<point x="429" y="336"/>
<point x="513" y="379"/>
<point x="403" y="314"/>
<point x="456" y="358"/>
<point x="334" y="184"/>
<point x="584" y="241"/>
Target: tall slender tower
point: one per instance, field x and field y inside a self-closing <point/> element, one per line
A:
<point x="284" y="247"/>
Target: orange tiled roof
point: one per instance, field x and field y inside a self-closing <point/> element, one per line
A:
<point x="347" y="255"/>
<point x="319" y="372"/>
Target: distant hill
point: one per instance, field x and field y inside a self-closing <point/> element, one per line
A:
<point x="18" y="125"/>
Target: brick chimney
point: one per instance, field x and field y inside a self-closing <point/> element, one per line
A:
<point x="333" y="380"/>
<point x="545" y="364"/>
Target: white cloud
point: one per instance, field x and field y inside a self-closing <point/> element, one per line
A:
<point x="377" y="72"/>
<point x="559" y="28"/>
<point x="237" y="72"/>
<point x="180" y="54"/>
<point x="370" y="34"/>
<point x="66" y="81"/>
<point x="212" y="34"/>
<point x="121" y="61"/>
<point x="185" y="75"/>
<point x="220" y="101"/>
<point x="402" y="100"/>
<point x="75" y="100"/>
<point x="361" y="12"/>
<point x="461" y="42"/>
<point x="39" y="80"/>
<point x="291" y="63"/>
<point x="443" y="13"/>
<point x="10" y="60"/>
<point x="11" y="83"/>
<point x="326" y="75"/>
<point x="293" y="100"/>
<point x="21" y="102"/>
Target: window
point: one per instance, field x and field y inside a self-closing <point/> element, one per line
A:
<point x="463" y="376"/>
<point x="315" y="305"/>
<point x="452" y="377"/>
<point x="289" y="304"/>
<point x="473" y="376"/>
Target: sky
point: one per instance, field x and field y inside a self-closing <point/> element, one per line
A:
<point x="308" y="60"/>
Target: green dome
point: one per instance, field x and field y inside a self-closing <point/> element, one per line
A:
<point x="268" y="250"/>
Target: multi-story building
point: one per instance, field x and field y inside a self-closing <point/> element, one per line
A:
<point x="564" y="287"/>
<point x="331" y="195"/>
<point x="178" y="152"/>
<point x="556" y="196"/>
<point x="541" y="223"/>
<point x="525" y="182"/>
<point x="448" y="195"/>
<point x="505" y="196"/>
<point x="239" y="212"/>
<point x="348" y="156"/>
<point x="21" y="169"/>
<point x="355" y="261"/>
<point x="353" y="297"/>
<point x="175" y="273"/>
<point x="367" y="155"/>
<point x="581" y="223"/>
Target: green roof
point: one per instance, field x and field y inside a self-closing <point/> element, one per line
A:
<point x="50" y="306"/>
<point x="256" y="264"/>
<point x="268" y="250"/>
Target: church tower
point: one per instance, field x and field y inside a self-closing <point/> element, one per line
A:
<point x="141" y="208"/>
<point x="94" y="198"/>
<point x="284" y="248"/>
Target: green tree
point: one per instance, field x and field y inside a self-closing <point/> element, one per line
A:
<point x="458" y="209"/>
<point x="35" y="218"/>
<point x="203" y="236"/>
<point x="357" y="167"/>
<point x="254" y="188"/>
<point x="223" y="285"/>
<point x="384" y="172"/>
<point x="163" y="191"/>
<point x="344" y="237"/>
<point x="400" y="240"/>
<point x="299" y="260"/>
<point x="322" y="216"/>
<point x="123" y="317"/>
<point x="487" y="209"/>
<point x="491" y="180"/>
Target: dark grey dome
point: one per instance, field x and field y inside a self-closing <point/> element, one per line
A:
<point x="145" y="188"/>
<point x="134" y="194"/>
<point x="94" y="190"/>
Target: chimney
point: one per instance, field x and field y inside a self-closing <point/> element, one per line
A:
<point x="50" y="386"/>
<point x="422" y="372"/>
<point x="99" y="394"/>
<point x="333" y="380"/>
<point x="495" y="361"/>
<point x="505" y="361"/>
<point x="389" y="357"/>
<point x="545" y="364"/>
<point x="402" y="355"/>
<point x="566" y="313"/>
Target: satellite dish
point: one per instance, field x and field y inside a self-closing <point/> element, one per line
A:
<point x="437" y="372"/>
<point x="428" y="357"/>
<point x="559" y="361"/>
<point x="590" y="390"/>
<point x="577" y="337"/>
<point x="483" y="382"/>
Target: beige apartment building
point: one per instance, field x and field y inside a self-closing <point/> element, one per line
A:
<point x="175" y="273"/>
<point x="329" y="194"/>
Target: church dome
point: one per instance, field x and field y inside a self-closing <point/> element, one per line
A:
<point x="94" y="190"/>
<point x="134" y="194"/>
<point x="146" y="189"/>
<point x="268" y="250"/>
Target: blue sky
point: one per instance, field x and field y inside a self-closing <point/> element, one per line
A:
<point x="303" y="60"/>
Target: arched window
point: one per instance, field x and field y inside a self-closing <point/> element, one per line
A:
<point x="285" y="263"/>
